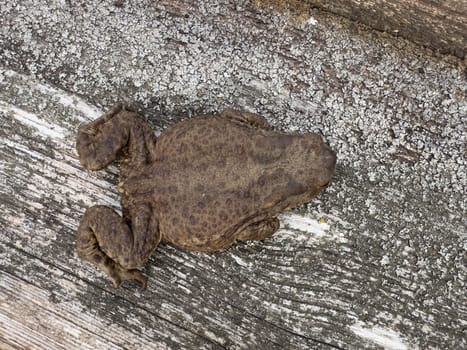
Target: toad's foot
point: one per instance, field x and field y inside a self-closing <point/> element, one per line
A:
<point x="100" y="142"/>
<point x="259" y="230"/>
<point x="106" y="240"/>
<point x="118" y="274"/>
<point x="88" y="249"/>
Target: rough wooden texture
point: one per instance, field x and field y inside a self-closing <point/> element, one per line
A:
<point x="387" y="268"/>
<point x="440" y="25"/>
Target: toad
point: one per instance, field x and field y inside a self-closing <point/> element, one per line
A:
<point x="203" y="184"/>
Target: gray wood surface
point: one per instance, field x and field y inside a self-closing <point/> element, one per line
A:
<point x="438" y="24"/>
<point x="377" y="261"/>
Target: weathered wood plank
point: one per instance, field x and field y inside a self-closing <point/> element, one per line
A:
<point x="42" y="310"/>
<point x="439" y="25"/>
<point x="387" y="269"/>
<point x="49" y="207"/>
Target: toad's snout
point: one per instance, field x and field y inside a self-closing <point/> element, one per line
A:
<point x="326" y="165"/>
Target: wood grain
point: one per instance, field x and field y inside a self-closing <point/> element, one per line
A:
<point x="439" y="25"/>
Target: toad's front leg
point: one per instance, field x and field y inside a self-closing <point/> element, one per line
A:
<point x="106" y="240"/>
<point x="101" y="141"/>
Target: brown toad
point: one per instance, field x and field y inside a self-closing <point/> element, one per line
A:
<point x="203" y="184"/>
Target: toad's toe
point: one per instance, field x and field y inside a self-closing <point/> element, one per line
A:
<point x="119" y="274"/>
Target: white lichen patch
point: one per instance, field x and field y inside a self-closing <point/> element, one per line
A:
<point x="39" y="125"/>
<point x="83" y="110"/>
<point x="241" y="262"/>
<point x="307" y="229"/>
<point x="387" y="338"/>
<point x="304" y="224"/>
<point x="311" y="21"/>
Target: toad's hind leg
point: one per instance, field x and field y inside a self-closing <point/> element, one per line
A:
<point x="107" y="241"/>
<point x="259" y="230"/>
<point x="100" y="141"/>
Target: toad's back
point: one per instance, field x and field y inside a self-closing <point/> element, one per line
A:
<point x="213" y="175"/>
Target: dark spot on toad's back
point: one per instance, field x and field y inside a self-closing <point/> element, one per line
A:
<point x="295" y="188"/>
<point x="262" y="180"/>
<point x="192" y="220"/>
<point x="282" y="140"/>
